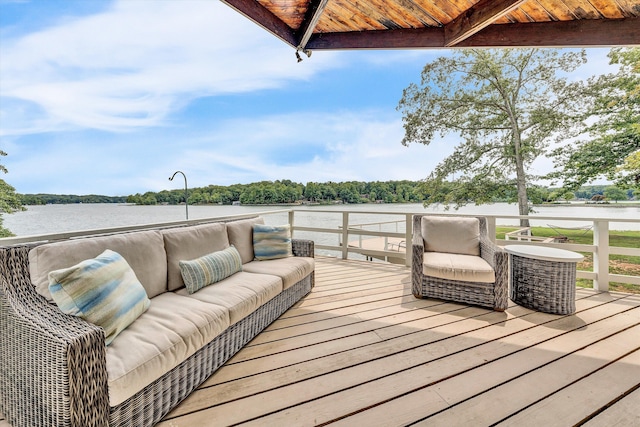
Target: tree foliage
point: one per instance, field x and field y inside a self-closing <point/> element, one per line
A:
<point x="610" y="146"/>
<point x="504" y="104"/>
<point x="9" y="200"/>
<point x="288" y="192"/>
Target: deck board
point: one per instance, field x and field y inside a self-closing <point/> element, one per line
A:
<point x="361" y="350"/>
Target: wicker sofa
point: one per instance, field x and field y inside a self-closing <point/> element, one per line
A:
<point x="56" y="369"/>
<point x="454" y="259"/>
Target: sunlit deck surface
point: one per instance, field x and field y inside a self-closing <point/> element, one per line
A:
<point x="360" y="350"/>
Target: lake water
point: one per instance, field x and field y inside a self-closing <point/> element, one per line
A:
<point x="62" y="218"/>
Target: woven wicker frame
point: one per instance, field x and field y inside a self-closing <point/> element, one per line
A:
<point x="493" y="295"/>
<point x="53" y="370"/>
<point x="548" y="286"/>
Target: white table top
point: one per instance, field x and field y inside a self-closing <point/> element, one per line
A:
<point x="544" y="253"/>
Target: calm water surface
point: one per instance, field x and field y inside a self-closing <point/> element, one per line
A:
<point x="61" y="218"/>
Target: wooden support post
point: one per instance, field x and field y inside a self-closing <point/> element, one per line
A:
<point x="408" y="240"/>
<point x="345" y="235"/>
<point x="291" y="217"/>
<point x="601" y="255"/>
<point x="491" y="228"/>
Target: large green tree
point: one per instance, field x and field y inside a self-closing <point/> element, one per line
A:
<point x="610" y="146"/>
<point x="9" y="200"/>
<point x="505" y="105"/>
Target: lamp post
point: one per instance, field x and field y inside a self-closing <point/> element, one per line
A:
<point x="186" y="194"/>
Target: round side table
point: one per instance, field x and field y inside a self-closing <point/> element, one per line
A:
<point x="543" y="278"/>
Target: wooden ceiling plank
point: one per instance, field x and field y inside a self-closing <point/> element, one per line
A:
<point x="558" y="10"/>
<point x="350" y="18"/>
<point x="608" y="9"/>
<point x="314" y="12"/>
<point x="264" y="18"/>
<point x="483" y="14"/>
<point x="630" y="8"/>
<point x="582" y="9"/>
<point x="536" y="11"/>
<point x="418" y="12"/>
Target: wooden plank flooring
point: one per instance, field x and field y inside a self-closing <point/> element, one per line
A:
<point x="360" y="350"/>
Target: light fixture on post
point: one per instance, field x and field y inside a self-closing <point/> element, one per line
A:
<point x="186" y="193"/>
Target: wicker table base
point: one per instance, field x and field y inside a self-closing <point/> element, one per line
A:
<point x="543" y="279"/>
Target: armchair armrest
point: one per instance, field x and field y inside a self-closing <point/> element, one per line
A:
<point x="53" y="365"/>
<point x="499" y="261"/>
<point x="417" y="255"/>
<point x="302" y="247"/>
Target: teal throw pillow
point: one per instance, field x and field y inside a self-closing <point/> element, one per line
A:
<point x="209" y="269"/>
<point x="271" y="241"/>
<point x="104" y="291"/>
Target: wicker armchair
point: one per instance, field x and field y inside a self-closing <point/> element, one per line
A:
<point x="457" y="261"/>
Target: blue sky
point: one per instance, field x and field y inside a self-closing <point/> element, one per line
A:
<point x="112" y="97"/>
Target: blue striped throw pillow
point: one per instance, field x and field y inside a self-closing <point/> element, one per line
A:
<point x="209" y="269"/>
<point x="271" y="241"/>
<point x="104" y="291"/>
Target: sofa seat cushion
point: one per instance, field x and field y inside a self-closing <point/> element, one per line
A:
<point x="143" y="251"/>
<point x="240" y="294"/>
<point x="291" y="269"/>
<point x="466" y="268"/>
<point x="172" y="329"/>
<point x="188" y="243"/>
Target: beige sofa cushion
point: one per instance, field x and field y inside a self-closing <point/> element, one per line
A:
<point x="454" y="235"/>
<point x="241" y="236"/>
<point x="240" y="294"/>
<point x="143" y="251"/>
<point x="290" y="269"/>
<point x="189" y="243"/>
<point x="467" y="268"/>
<point x="171" y="330"/>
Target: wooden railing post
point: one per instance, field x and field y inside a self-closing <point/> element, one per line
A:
<point x="491" y="228"/>
<point x="601" y="255"/>
<point x="408" y="240"/>
<point x="291" y="215"/>
<point x="345" y="235"/>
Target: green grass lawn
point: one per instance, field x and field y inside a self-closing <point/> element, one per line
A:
<point x="618" y="264"/>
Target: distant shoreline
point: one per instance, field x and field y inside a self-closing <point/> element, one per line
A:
<point x="595" y="205"/>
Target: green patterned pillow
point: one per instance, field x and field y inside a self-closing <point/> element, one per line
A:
<point x="104" y="291"/>
<point x="271" y="241"/>
<point x="209" y="269"/>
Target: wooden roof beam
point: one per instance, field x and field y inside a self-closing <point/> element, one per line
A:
<point x="264" y="18"/>
<point x="582" y="33"/>
<point x="478" y="17"/>
<point x="312" y="16"/>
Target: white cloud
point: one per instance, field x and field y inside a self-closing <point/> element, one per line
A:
<point x="133" y="65"/>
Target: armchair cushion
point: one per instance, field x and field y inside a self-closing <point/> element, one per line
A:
<point x="451" y="235"/>
<point x="466" y="268"/>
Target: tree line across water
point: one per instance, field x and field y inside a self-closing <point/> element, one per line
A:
<point x="289" y="192"/>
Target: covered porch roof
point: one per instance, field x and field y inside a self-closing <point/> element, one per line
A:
<point x="396" y="24"/>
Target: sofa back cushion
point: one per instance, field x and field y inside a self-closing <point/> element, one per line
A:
<point x="189" y="243"/>
<point x="143" y="251"/>
<point x="454" y="235"/>
<point x="241" y="236"/>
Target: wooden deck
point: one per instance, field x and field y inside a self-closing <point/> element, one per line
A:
<point x="360" y="350"/>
